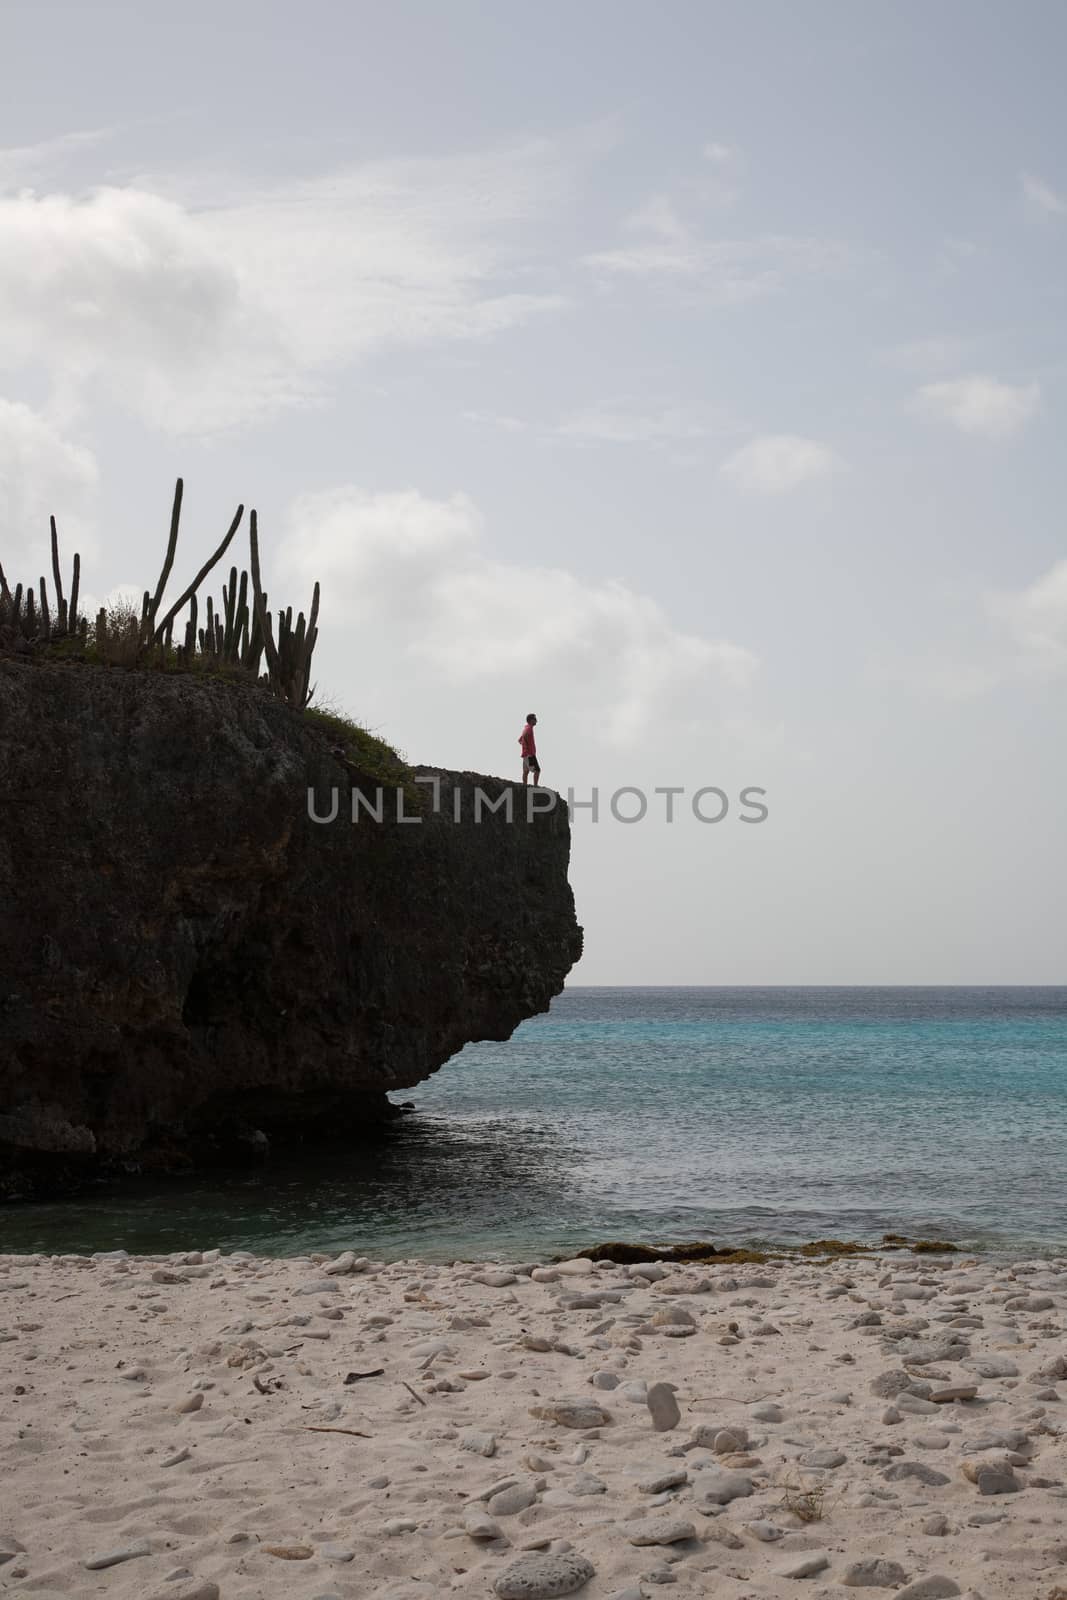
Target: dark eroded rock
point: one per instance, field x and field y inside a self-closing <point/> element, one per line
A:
<point x="187" y="960"/>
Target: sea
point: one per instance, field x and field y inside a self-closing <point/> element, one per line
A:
<point x="740" y="1116"/>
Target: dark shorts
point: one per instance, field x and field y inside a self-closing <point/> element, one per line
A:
<point x="530" y="764"/>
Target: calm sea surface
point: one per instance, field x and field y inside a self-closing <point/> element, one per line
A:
<point x="667" y="1114"/>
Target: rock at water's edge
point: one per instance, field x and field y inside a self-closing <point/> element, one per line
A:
<point x="187" y="959"/>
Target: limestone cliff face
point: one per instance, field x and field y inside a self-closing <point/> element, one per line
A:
<point x="186" y="956"/>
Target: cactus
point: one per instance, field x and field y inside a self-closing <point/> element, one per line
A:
<point x="253" y="654"/>
<point x="74" y="623"/>
<point x="229" y="606"/>
<point x="288" y="661"/>
<point x="151" y="607"/>
<point x="204" y="570"/>
<point x="241" y="639"/>
<point x="61" y="604"/>
<point x="32" y="617"/>
<point x="262" y="614"/>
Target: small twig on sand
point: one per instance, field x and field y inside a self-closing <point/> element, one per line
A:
<point x="749" y="1400"/>
<point x="354" y="1377"/>
<point x="412" y="1392"/>
<point x="355" y="1433"/>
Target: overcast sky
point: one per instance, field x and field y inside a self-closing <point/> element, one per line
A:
<point x="690" y="373"/>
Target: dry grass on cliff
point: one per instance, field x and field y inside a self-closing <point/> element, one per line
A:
<point x="362" y="749"/>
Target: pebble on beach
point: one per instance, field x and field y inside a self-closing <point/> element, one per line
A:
<point x="663" y="1407"/>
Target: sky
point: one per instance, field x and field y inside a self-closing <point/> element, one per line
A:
<point x="692" y="374"/>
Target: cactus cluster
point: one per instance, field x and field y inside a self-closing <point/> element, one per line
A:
<point x="28" y="619"/>
<point x="288" y="660"/>
<point x="236" y="635"/>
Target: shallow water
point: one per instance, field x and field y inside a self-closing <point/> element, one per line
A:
<point x="738" y="1115"/>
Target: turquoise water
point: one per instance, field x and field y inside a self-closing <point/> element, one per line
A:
<point x="738" y="1115"/>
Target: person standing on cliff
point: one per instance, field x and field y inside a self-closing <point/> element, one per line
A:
<point x="528" y="745"/>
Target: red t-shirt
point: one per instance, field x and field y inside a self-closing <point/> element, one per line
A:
<point x="526" y="739"/>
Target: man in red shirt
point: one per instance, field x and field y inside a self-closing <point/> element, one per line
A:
<point x="528" y="746"/>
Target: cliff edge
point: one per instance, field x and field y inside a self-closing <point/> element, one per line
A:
<point x="188" y="960"/>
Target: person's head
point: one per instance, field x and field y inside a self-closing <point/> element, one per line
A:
<point x="531" y="716"/>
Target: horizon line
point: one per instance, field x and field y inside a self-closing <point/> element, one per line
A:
<point x="1062" y="985"/>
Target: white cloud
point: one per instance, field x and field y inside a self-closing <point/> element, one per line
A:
<point x="669" y="249"/>
<point x="41" y="474"/>
<point x="953" y="254"/>
<point x="924" y="356"/>
<point x="980" y="405"/>
<point x="611" y="425"/>
<point x="721" y="154"/>
<point x="939" y="673"/>
<point x="1025" y="639"/>
<point x="1041" y="198"/>
<point x="1036" y="620"/>
<point x="659" y="217"/>
<point x="498" y="419"/>
<point x="127" y="290"/>
<point x="624" y="421"/>
<point x="198" y="316"/>
<point x="414" y="580"/>
<point x="726" y="162"/>
<point x="777" y="463"/>
<point x="395" y="252"/>
<point x="722" y="271"/>
<point x="22" y="164"/>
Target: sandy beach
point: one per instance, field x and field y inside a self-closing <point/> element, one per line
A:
<point x="209" y="1425"/>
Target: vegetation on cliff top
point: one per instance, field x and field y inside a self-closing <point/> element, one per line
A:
<point x="239" y="636"/>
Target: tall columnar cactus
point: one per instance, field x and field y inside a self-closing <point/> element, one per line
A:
<point x="172" y="544"/>
<point x="61" y="604"/>
<point x="75" y="625"/>
<point x="159" y="625"/>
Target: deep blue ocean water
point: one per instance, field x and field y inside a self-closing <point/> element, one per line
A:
<point x="736" y="1115"/>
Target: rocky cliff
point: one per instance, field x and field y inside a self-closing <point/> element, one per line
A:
<point x="188" y="960"/>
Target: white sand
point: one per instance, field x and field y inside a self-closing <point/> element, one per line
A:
<point x="99" y="1358"/>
